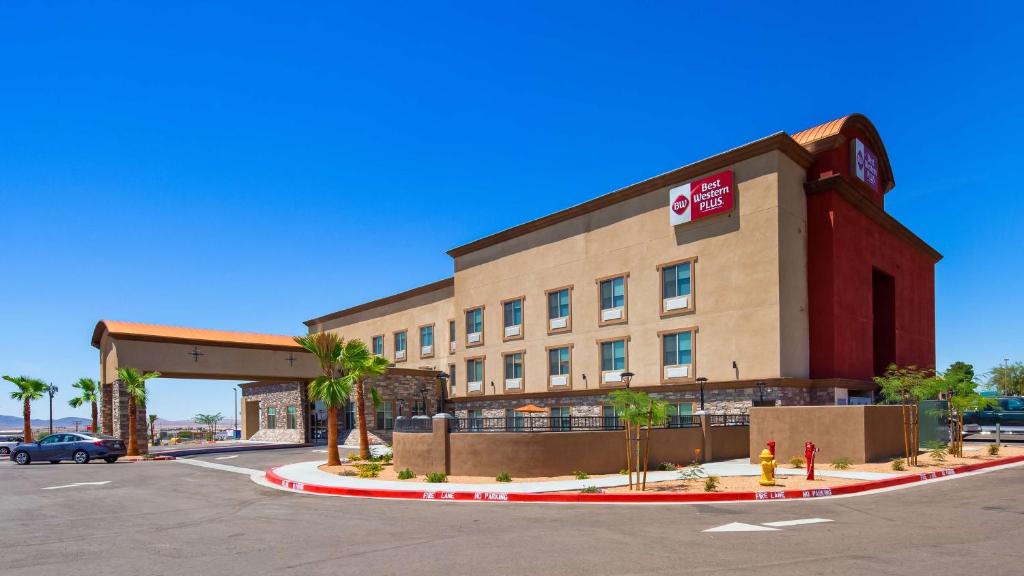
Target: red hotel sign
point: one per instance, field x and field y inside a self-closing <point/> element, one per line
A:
<point x="701" y="198"/>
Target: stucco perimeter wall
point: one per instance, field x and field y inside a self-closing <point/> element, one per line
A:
<point x="861" y="433"/>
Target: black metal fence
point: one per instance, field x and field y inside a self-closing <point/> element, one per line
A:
<point x="414" y="425"/>
<point x="556" y="423"/>
<point x="728" y="419"/>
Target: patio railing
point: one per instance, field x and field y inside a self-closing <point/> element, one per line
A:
<point x="728" y="419"/>
<point x="556" y="423"/>
<point x="414" y="425"/>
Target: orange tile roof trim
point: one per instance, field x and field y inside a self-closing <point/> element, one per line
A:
<point x="161" y="333"/>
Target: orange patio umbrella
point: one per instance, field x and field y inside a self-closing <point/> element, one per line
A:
<point x="531" y="409"/>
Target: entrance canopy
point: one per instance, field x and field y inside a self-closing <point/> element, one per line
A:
<point x="178" y="352"/>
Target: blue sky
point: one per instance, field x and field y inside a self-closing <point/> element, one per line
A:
<point x="251" y="165"/>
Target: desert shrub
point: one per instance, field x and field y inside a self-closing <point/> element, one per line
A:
<point x="898" y="464"/>
<point x="797" y="462"/>
<point x="354" y="458"/>
<point x="694" y="471"/>
<point x="503" y="477"/>
<point x="349" y="472"/>
<point x="711" y="483"/>
<point x="624" y="472"/>
<point x="842" y="463"/>
<point x="993" y="449"/>
<point x="383" y="458"/>
<point x="666" y="466"/>
<point x="590" y="490"/>
<point x="369" y="469"/>
<point x="437" y="477"/>
<point x="580" y="474"/>
<point x="937" y="450"/>
<point x="406" y="474"/>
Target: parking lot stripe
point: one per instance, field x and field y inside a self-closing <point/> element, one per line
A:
<point x="77" y="484"/>
<point x="222" y="467"/>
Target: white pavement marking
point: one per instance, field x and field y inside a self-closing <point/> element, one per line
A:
<point x="77" y="484"/>
<point x="741" y="527"/>
<point x="226" y="457"/>
<point x="800" y="522"/>
<point x="222" y="467"/>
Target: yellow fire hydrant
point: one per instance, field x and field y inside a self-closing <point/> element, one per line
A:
<point x="767" y="469"/>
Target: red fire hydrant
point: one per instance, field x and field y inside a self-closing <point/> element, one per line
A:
<point x="809" y="451"/>
<point x="771" y="448"/>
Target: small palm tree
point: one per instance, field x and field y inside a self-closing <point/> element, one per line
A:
<point x="331" y="386"/>
<point x="29" y="389"/>
<point x="135" y="384"/>
<point x="639" y="413"/>
<point x="210" y="420"/>
<point x="359" y="364"/>
<point x="152" y="427"/>
<point x="88" y="393"/>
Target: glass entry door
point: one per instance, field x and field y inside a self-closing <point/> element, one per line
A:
<point x="317" y="423"/>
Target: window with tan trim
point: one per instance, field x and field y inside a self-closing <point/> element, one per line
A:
<point x="681" y="414"/>
<point x="475" y="375"/>
<point x="559" y="302"/>
<point x="676" y="287"/>
<point x="612" y="300"/>
<point x="377" y="345"/>
<point x="613" y="360"/>
<point x="677" y="355"/>
<point x="559" y="367"/>
<point x="474" y="326"/>
<point x="451" y="336"/>
<point x="515" y="370"/>
<point x="427" y="341"/>
<point x="512" y="316"/>
<point x="401" y="340"/>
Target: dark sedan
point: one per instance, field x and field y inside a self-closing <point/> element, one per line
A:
<point x="79" y="447"/>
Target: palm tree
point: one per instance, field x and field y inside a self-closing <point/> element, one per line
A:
<point x="152" y="427"/>
<point x="331" y="386"/>
<point x="210" y="420"/>
<point x="88" y="393"/>
<point x="639" y="412"/>
<point x="135" y="384"/>
<point x="29" y="389"/>
<point x="359" y="364"/>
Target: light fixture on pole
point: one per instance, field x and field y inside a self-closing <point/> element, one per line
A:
<point x="443" y="377"/>
<point x="626" y="377"/>
<point x="760" y="388"/>
<point x="701" y="382"/>
<point x="51" y="390"/>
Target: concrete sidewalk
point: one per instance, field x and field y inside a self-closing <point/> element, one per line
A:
<point x="309" y="473"/>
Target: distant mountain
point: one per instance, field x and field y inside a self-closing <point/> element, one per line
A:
<point x="17" y="422"/>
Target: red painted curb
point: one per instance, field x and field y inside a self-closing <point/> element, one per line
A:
<point x="443" y="495"/>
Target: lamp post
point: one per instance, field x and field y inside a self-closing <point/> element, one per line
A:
<point x="423" y="398"/>
<point x="442" y="377"/>
<point x="760" y="389"/>
<point x="627" y="377"/>
<point x="701" y="382"/>
<point x="51" y="390"/>
<point x="235" y="435"/>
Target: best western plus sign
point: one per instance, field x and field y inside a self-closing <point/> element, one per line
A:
<point x="701" y="198"/>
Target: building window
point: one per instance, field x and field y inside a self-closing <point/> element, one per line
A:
<point x="400" y="341"/>
<point x="677" y="287"/>
<point x="559" y="367"/>
<point x="475" y="375"/>
<point x="350" y="414"/>
<point x="609" y="417"/>
<point x="293" y="417"/>
<point x="378" y="345"/>
<point x="677" y="355"/>
<point x="681" y="415"/>
<point x="613" y="361"/>
<point x="612" y="300"/>
<point x="419" y="408"/>
<point x="560" y="418"/>
<point x="386" y="415"/>
<point x="514" y="372"/>
<point x="427" y="341"/>
<point x="271" y="417"/>
<point x="559" y="310"/>
<point x="451" y="336"/>
<point x="513" y="318"/>
<point x="476" y="420"/>
<point x="514" y="420"/>
<point x="452" y="380"/>
<point x="475" y="326"/>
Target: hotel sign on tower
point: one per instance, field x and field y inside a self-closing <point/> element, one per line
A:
<point x="701" y="198"/>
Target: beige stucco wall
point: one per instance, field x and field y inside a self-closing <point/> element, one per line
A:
<point x="430" y="308"/>
<point x="861" y="433"/>
<point x="739" y="310"/>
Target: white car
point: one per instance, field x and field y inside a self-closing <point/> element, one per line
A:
<point x="7" y="443"/>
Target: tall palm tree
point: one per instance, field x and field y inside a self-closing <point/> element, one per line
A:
<point x="358" y="364"/>
<point x="135" y="384"/>
<point x="29" y="389"/>
<point x="331" y="386"/>
<point x="152" y="426"/>
<point x="88" y="392"/>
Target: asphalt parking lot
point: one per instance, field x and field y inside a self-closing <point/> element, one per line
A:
<point x="178" y="518"/>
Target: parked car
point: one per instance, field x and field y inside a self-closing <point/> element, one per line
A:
<point x="79" y="447"/>
<point x="7" y="443"/>
<point x="1009" y="415"/>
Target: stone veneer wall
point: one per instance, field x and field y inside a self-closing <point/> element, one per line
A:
<point x="116" y="406"/>
<point x="278" y="395"/>
<point x="393" y="387"/>
<point x="721" y="401"/>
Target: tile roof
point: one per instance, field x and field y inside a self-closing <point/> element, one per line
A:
<point x="820" y="132"/>
<point x="139" y="331"/>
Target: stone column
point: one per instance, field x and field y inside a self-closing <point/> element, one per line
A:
<point x="119" y="410"/>
<point x="105" y="412"/>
